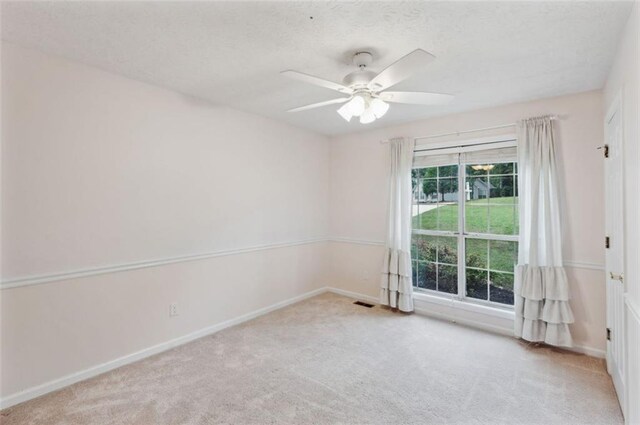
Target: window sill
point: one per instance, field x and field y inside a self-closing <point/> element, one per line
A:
<point x="502" y="313"/>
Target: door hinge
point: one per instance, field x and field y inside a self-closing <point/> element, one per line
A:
<point x="605" y="150"/>
<point x="608" y="334"/>
<point x="618" y="277"/>
<point x="607" y="242"/>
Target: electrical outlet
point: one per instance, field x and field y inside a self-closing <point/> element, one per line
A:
<point x="173" y="310"/>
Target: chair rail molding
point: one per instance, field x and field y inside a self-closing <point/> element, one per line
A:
<point x="17" y="282"/>
<point x="568" y="263"/>
<point x="92" y="271"/>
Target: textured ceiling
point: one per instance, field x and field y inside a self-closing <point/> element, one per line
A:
<point x="231" y="53"/>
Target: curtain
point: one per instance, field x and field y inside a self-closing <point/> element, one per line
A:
<point x="541" y="289"/>
<point x="395" y="286"/>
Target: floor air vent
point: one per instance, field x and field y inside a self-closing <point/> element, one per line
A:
<point x="363" y="304"/>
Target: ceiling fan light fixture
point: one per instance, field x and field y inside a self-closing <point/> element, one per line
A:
<point x="357" y="105"/>
<point x="379" y="107"/>
<point x="345" y="112"/>
<point x="368" y="116"/>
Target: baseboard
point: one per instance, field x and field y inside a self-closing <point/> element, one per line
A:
<point x="67" y="380"/>
<point x="588" y="351"/>
<point x="353" y="295"/>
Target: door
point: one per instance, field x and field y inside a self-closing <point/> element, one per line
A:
<point x="614" y="243"/>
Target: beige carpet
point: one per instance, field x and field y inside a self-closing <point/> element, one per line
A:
<point x="327" y="361"/>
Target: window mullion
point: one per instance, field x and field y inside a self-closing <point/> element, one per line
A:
<point x="493" y="237"/>
<point x="461" y="228"/>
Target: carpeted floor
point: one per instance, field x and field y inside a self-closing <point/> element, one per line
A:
<point x="327" y="361"/>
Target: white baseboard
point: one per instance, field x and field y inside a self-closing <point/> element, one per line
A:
<point x="589" y="351"/>
<point x="67" y="380"/>
<point x="354" y="295"/>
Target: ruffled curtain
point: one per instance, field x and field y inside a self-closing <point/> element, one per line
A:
<point x="542" y="306"/>
<point x="395" y="286"/>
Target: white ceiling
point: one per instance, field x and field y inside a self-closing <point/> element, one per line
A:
<point x="231" y="53"/>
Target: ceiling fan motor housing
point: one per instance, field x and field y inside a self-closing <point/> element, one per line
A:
<point x="361" y="59"/>
<point x="358" y="79"/>
<point x="361" y="77"/>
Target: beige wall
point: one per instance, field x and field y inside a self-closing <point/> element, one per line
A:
<point x="359" y="167"/>
<point x="126" y="171"/>
<point x="99" y="171"/>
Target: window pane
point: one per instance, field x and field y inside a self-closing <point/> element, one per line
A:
<point x="424" y="197"/>
<point x="426" y="273"/>
<point x="425" y="247"/>
<point x="415" y="215"/>
<point x="447" y="210"/>
<point x="430" y="190"/>
<point x="503" y="255"/>
<point x="476" y="284"/>
<point x="501" y="288"/>
<point x="448" y="279"/>
<point x="478" y="188"/>
<point x="428" y="216"/>
<point x="476" y="170"/>
<point x="476" y="251"/>
<point x="477" y="207"/>
<point x="502" y="220"/>
<point x="447" y="250"/>
<point x="504" y="168"/>
<point x="448" y="171"/>
<point x="431" y="172"/>
<point x="501" y="189"/>
<point x="436" y="263"/>
<point x="435" y="197"/>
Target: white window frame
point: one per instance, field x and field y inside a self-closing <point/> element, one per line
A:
<point x="459" y="147"/>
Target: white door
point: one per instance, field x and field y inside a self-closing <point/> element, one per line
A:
<point x="615" y="252"/>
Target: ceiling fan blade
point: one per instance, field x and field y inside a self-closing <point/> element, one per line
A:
<point x="416" y="98"/>
<point x="401" y="69"/>
<point x="319" y="104"/>
<point x="316" y="81"/>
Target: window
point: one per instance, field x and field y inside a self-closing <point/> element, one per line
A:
<point x="465" y="242"/>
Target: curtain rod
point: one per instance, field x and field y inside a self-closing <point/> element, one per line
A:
<point x="499" y="142"/>
<point x="457" y="133"/>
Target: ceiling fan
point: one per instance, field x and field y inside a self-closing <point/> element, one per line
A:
<point x="365" y="90"/>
